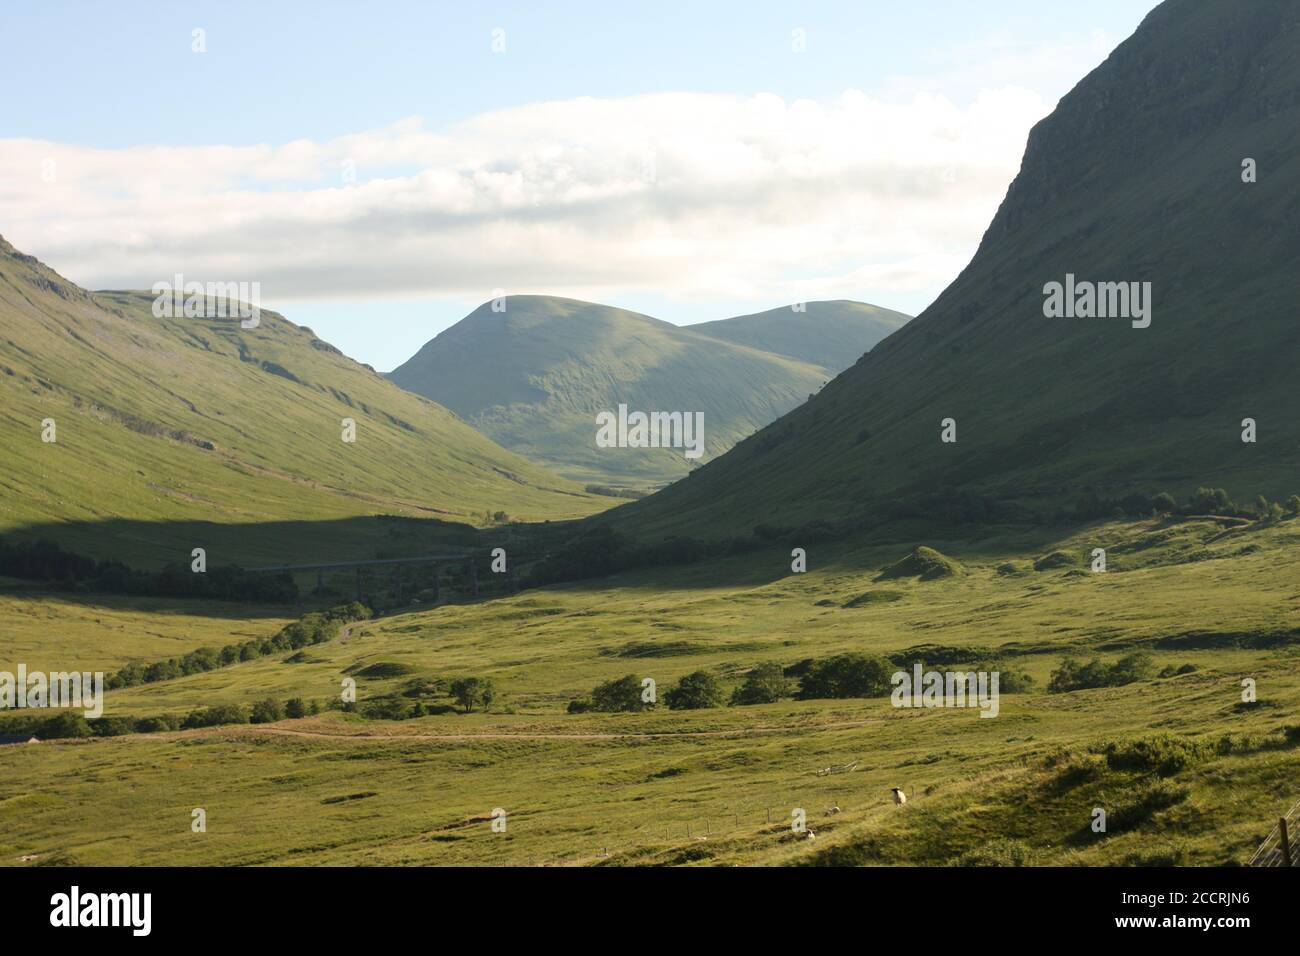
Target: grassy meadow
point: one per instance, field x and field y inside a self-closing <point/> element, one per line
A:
<point x="718" y="785"/>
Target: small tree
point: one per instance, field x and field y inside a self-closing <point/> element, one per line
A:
<point x="471" y="692"/>
<point x="266" y="711"/>
<point x="1293" y="505"/>
<point x="295" y="708"/>
<point x="847" y="675"/>
<point x="766" y="684"/>
<point x="695" y="691"/>
<point x="616" y="696"/>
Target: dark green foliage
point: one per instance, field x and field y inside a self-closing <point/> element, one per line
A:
<point x="847" y="675"/>
<point x="695" y="691"/>
<point x="471" y="692"/>
<point x="214" y="716"/>
<point x="1164" y="754"/>
<point x="266" y="711"/>
<point x="765" y="684"/>
<point x="619" y="696"/>
<point x="314" y="628"/>
<point x="1071" y="675"/>
<point x="47" y="561"/>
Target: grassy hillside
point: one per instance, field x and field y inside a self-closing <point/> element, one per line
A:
<point x="718" y="785"/>
<point x="830" y="334"/>
<point x="534" y="377"/>
<point x="172" y="428"/>
<point x="1136" y="176"/>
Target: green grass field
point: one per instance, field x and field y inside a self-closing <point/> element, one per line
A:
<point x="719" y="785"/>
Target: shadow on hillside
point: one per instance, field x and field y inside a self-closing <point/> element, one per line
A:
<point x="127" y="604"/>
<point x="150" y="545"/>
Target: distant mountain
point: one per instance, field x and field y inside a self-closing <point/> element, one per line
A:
<point x="535" y="376"/>
<point x="830" y="334"/>
<point x="178" y="428"/>
<point x="1136" y="177"/>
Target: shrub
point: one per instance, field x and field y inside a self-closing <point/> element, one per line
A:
<point x="155" y="725"/>
<point x="1071" y="675"/>
<point x="1165" y="754"/>
<point x="619" y="696"/>
<point x="765" y="684"/>
<point x="214" y="716"/>
<point x="695" y="691"/>
<point x="266" y="711"/>
<point x="295" y="708"/>
<point x="471" y="692"/>
<point x="581" y="705"/>
<point x="847" y="675"/>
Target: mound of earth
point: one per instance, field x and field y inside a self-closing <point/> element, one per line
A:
<point x="924" y="563"/>
<point x="1055" y="560"/>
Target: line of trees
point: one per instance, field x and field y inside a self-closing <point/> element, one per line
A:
<point x="842" y="676"/>
<point x="47" y="561"/>
<point x="314" y="628"/>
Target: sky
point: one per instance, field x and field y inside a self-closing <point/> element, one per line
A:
<point x="380" y="169"/>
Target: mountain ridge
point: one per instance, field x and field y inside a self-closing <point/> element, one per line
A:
<point x="532" y="372"/>
<point x="1116" y="184"/>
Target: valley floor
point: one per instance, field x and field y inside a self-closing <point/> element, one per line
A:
<point x="1186" y="772"/>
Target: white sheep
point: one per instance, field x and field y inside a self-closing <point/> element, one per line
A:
<point x="900" y="797"/>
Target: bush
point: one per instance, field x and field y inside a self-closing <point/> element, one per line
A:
<point x="156" y="725"/>
<point x="295" y="708"/>
<point x="847" y="675"/>
<point x="695" y="691"/>
<point x="1071" y="675"/>
<point x="266" y="711"/>
<point x="581" y="705"/>
<point x="765" y="684"/>
<point x="1164" y="754"/>
<point x="471" y="692"/>
<point x="214" y="716"/>
<point x="619" y="696"/>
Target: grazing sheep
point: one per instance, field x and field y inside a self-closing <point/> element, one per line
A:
<point x="900" y="797"/>
<point x="835" y="809"/>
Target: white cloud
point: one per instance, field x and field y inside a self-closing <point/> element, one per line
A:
<point x="689" y="195"/>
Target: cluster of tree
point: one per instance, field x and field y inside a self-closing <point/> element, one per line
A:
<point x="841" y="676"/>
<point x="1073" y="675"/>
<point x="609" y="491"/>
<point x="46" y="561"/>
<point x="1203" y="501"/>
<point x="313" y="628"/>
<point x="71" y="723"/>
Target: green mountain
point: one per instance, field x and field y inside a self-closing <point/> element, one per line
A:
<point x="534" y="376"/>
<point x="830" y="334"/>
<point x="173" y="433"/>
<point x="1137" y="176"/>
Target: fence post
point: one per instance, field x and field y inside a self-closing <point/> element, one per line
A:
<point x="1284" y="841"/>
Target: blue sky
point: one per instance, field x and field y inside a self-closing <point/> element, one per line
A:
<point x="539" y="199"/>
